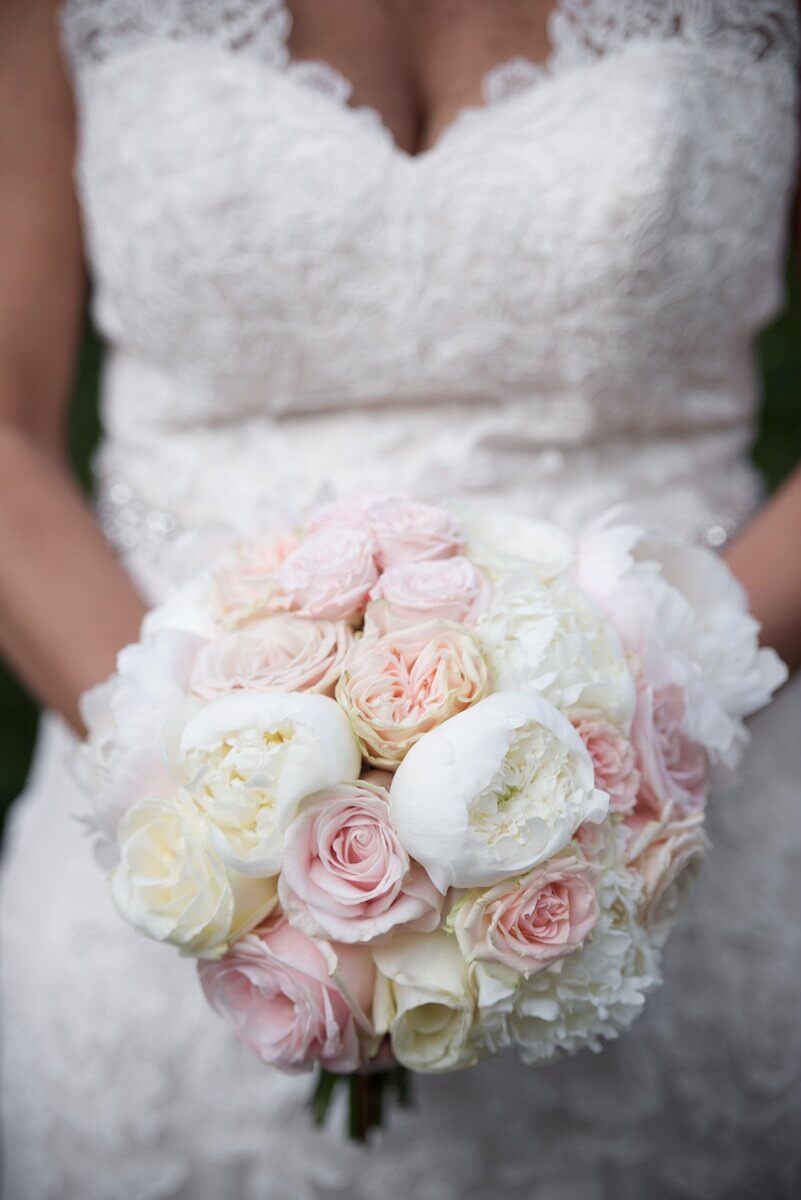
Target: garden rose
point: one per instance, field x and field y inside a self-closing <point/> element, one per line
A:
<point x="248" y="759"/>
<point x="246" y="583"/>
<point x="345" y="874"/>
<point x="398" y="685"/>
<point x="528" y="921"/>
<point x="451" y="589"/>
<point x="494" y="791"/>
<point x="613" y="759"/>
<point x="277" y="990"/>
<point x="171" y="885"/>
<point x="668" y="858"/>
<point x="283" y="653"/>
<point x="329" y="575"/>
<point x="423" y="999"/>
<point x="405" y="532"/>
<point x="351" y="511"/>
<point x="674" y="769"/>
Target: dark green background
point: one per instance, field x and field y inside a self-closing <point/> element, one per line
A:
<point x="777" y="450"/>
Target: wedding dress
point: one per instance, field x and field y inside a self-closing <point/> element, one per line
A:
<point x="554" y="307"/>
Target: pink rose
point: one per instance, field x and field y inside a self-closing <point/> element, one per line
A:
<point x="613" y="758"/>
<point x="276" y="990"/>
<point x="667" y="857"/>
<point x="329" y="576"/>
<point x="451" y="589"/>
<point x="345" y="874"/>
<point x="245" y="585"/>
<point x="283" y="653"/>
<point x="528" y="922"/>
<point x="352" y="511"/>
<point x="673" y="766"/>
<point x="406" y="532"/>
<point x="398" y="685"/>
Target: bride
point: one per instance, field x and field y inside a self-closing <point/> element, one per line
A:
<point x="519" y="250"/>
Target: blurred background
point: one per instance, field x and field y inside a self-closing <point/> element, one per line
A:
<point x="777" y="449"/>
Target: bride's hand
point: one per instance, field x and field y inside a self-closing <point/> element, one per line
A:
<point x="66" y="605"/>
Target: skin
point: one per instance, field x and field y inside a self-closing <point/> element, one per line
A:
<point x="418" y="64"/>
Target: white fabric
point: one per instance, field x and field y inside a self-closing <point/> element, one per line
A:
<point x="553" y="307"/>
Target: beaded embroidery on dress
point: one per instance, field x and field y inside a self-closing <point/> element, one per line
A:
<point x="555" y="306"/>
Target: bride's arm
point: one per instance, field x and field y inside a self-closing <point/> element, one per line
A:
<point x="766" y="557"/>
<point x="66" y="605"/>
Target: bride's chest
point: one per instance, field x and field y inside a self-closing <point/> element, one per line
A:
<point x="242" y="220"/>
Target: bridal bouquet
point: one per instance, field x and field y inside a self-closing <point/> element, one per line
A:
<point x="413" y="789"/>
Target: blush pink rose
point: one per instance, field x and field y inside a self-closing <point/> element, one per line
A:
<point x="283" y="653"/>
<point x="613" y="758"/>
<point x="329" y="576"/>
<point x="405" y="532"/>
<point x="352" y="511"/>
<point x="530" y="921"/>
<point x="673" y="766"/>
<point x="246" y="584"/>
<point x="451" y="589"/>
<point x="344" y="873"/>
<point x="276" y="990"/>
<point x="667" y="857"/>
<point x="398" y="685"/>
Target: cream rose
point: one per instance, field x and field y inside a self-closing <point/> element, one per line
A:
<point x="398" y="685"/>
<point x="423" y="999"/>
<point x="451" y="589"/>
<point x="171" y="885"/>
<point x="282" y="653"/>
<point x="529" y="921"/>
<point x="249" y="759"/>
<point x="494" y="791"/>
<point x="329" y="576"/>
<point x="345" y="874"/>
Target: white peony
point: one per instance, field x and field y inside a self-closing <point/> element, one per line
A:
<point x="128" y="719"/>
<point x="680" y="610"/>
<point x="552" y="640"/>
<point x="172" y="886"/>
<point x="501" y="541"/>
<point x="423" y="999"/>
<point x="494" y="791"/>
<point x="248" y="760"/>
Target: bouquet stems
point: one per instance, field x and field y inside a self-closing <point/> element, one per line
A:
<point x="366" y="1092"/>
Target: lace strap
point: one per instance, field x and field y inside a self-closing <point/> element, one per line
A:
<point x="94" y="30"/>
<point x="581" y="30"/>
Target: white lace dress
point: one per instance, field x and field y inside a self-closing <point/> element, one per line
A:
<point x="554" y="306"/>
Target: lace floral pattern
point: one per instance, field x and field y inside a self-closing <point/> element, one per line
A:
<point x="554" y="307"/>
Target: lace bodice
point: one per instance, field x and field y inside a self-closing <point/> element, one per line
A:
<point x="556" y="302"/>
<point x="554" y="306"/>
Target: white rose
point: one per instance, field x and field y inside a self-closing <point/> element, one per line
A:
<point x="170" y="884"/>
<point x="552" y="640"/>
<point x="494" y="791"/>
<point x="424" y="1001"/>
<point x="248" y="759"/>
